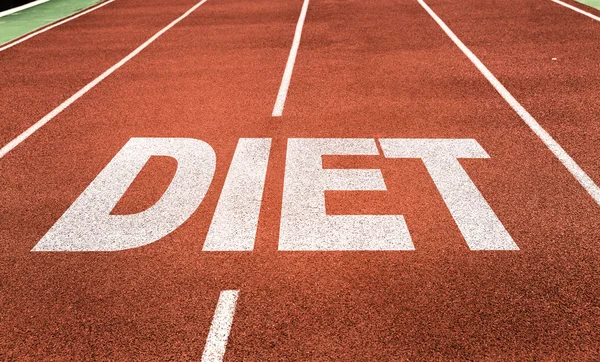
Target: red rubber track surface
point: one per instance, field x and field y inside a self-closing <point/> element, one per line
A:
<point x="363" y="70"/>
<point x="50" y="67"/>
<point x="517" y="43"/>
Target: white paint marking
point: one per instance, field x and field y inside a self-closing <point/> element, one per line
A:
<point x="580" y="175"/>
<point x="289" y="67"/>
<point x="88" y="225"/>
<point x="22" y="7"/>
<point x="235" y="220"/>
<point x="39" y="124"/>
<point x="305" y="224"/>
<point x="477" y="222"/>
<point x="216" y="342"/>
<point x="597" y="18"/>
<point x="31" y="35"/>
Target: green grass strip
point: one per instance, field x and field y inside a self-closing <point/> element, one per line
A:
<point x="592" y="3"/>
<point x="20" y="23"/>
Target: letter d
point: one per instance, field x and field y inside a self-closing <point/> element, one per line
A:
<point x="88" y="225"/>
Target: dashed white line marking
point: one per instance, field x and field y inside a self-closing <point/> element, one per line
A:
<point x="22" y="7"/>
<point x="577" y="10"/>
<point x="580" y="175"/>
<point x="31" y="35"/>
<point x="47" y="118"/>
<point x="289" y="67"/>
<point x="218" y="335"/>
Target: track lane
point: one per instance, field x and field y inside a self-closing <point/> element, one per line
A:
<point x="518" y="43"/>
<point x="49" y="68"/>
<point x="81" y="92"/>
<point x="362" y="71"/>
<point x="134" y="305"/>
<point x="389" y="71"/>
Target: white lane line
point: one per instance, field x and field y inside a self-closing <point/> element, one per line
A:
<point x="31" y="35"/>
<point x="218" y="334"/>
<point x="289" y="67"/>
<point x="47" y="118"/>
<point x="22" y="7"/>
<point x="577" y="9"/>
<point x="585" y="181"/>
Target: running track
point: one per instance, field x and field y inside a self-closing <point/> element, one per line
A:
<point x="363" y="70"/>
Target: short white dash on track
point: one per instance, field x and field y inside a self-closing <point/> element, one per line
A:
<point x="289" y="67"/>
<point x="22" y="7"/>
<point x="580" y="175"/>
<point x="31" y="35"/>
<point x="47" y="118"/>
<point x="216" y="342"/>
<point x="574" y="8"/>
